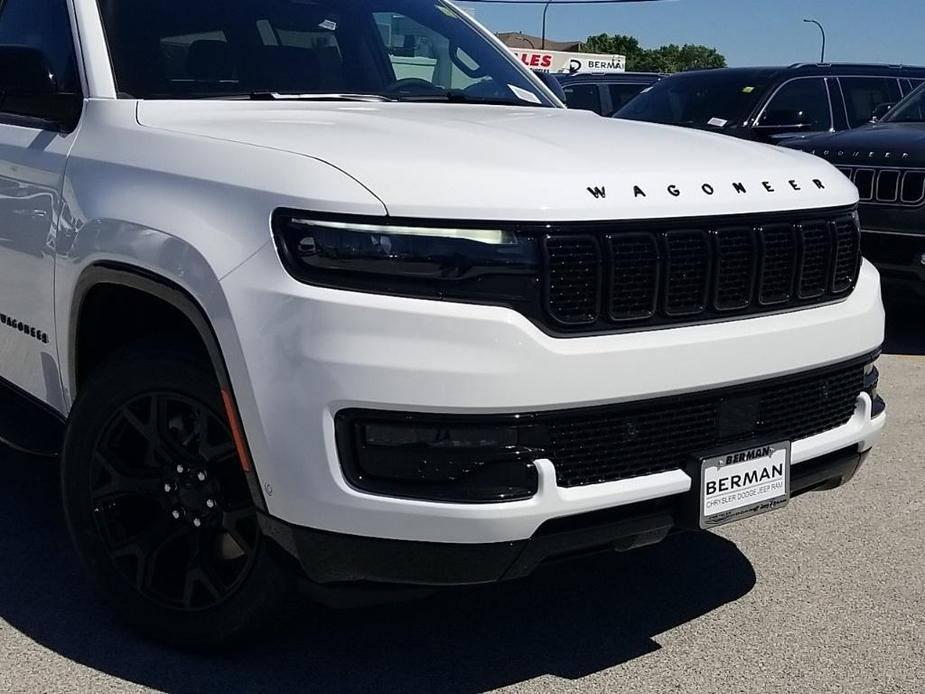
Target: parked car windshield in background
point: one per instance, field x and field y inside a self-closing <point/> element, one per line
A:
<point x="698" y="99"/>
<point x="910" y="110"/>
<point x="399" y="49"/>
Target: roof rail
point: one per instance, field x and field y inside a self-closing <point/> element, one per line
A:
<point x="895" y="66"/>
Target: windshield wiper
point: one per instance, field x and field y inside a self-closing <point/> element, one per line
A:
<point x="279" y="96"/>
<point x="457" y="96"/>
<point x="266" y="95"/>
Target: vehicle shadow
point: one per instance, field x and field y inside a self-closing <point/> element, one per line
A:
<point x="568" y="620"/>
<point x="905" y="329"/>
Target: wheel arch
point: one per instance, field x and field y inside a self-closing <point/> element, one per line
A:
<point x="156" y="287"/>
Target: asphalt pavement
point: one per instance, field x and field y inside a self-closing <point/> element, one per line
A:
<point x="826" y="596"/>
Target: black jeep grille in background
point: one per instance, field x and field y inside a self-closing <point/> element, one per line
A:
<point x="894" y="187"/>
<point x="633" y="275"/>
<point x="620" y="442"/>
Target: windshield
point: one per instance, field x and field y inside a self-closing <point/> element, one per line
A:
<point x="701" y="99"/>
<point x="909" y="110"/>
<point x="401" y="49"/>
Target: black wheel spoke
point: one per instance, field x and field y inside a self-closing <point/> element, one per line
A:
<point x="169" y="504"/>
<point x="197" y="576"/>
<point x="121" y="484"/>
<point x="231" y="524"/>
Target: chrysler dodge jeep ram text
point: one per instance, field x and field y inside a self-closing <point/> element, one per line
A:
<point x="284" y="288"/>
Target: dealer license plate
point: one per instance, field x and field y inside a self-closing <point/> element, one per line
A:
<point x="744" y="483"/>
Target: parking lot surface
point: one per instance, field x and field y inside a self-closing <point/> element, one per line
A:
<point x="827" y="596"/>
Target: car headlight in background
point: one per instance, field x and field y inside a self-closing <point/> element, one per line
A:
<point x="479" y="264"/>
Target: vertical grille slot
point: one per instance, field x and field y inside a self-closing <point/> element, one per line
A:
<point x="778" y="264"/>
<point x="913" y="188"/>
<point x="815" y="245"/>
<point x="687" y="272"/>
<point x="573" y="278"/>
<point x="634" y="276"/>
<point x="888" y="186"/>
<point x="735" y="268"/>
<point x="849" y="173"/>
<point x="864" y="180"/>
<point x="847" y="256"/>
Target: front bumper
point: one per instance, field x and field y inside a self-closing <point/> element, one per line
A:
<point x="310" y="353"/>
<point x="328" y="558"/>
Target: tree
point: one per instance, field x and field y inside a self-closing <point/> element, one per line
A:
<point x="670" y="58"/>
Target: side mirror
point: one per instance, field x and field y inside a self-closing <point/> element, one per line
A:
<point x="29" y="89"/>
<point x="785" y="119"/>
<point x="552" y="84"/>
<point x="880" y="112"/>
<point x="25" y="71"/>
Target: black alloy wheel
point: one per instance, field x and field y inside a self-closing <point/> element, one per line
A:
<point x="159" y="507"/>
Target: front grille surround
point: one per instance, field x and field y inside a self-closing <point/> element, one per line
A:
<point x="653" y="274"/>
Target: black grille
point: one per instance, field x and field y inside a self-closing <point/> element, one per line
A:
<point x="816" y="240"/>
<point x="633" y="275"/>
<point x="635" y="272"/>
<point x="735" y="269"/>
<point x="573" y="278"/>
<point x="620" y="442"/>
<point x="847" y="256"/>
<point x="687" y="272"/>
<point x="903" y="187"/>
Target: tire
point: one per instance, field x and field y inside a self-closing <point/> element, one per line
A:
<point x="159" y="508"/>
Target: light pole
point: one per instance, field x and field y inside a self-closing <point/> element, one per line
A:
<point x="545" y="10"/>
<point x="822" y="29"/>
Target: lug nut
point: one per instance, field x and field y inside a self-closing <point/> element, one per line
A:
<point x="197" y="522"/>
<point x="176" y="514"/>
<point x="201" y="476"/>
<point x="210" y="503"/>
<point x="180" y="469"/>
<point x="168" y="487"/>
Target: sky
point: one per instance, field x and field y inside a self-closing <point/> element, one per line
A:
<point x="747" y="32"/>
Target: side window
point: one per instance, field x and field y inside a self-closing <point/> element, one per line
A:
<point x="584" y="97"/>
<point x="864" y="94"/>
<point x="46" y="25"/>
<point x="804" y="100"/>
<point x="622" y="94"/>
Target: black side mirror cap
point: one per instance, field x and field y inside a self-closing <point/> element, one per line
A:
<point x="881" y="111"/>
<point x="30" y="91"/>
<point x="552" y="83"/>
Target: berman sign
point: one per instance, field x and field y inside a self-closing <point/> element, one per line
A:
<point x="569" y="63"/>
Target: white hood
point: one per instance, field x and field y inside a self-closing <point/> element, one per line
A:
<point x="530" y="164"/>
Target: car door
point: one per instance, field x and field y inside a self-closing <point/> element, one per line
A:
<point x="799" y="107"/>
<point x="33" y="154"/>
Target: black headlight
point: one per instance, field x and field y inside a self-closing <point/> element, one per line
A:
<point x="386" y="256"/>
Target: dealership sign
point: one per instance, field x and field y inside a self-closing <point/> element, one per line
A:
<point x="570" y="63"/>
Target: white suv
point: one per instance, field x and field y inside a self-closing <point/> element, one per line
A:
<point x="339" y="291"/>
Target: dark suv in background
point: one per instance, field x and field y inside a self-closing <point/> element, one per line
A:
<point x="605" y="94"/>
<point x="886" y="161"/>
<point x="769" y="104"/>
